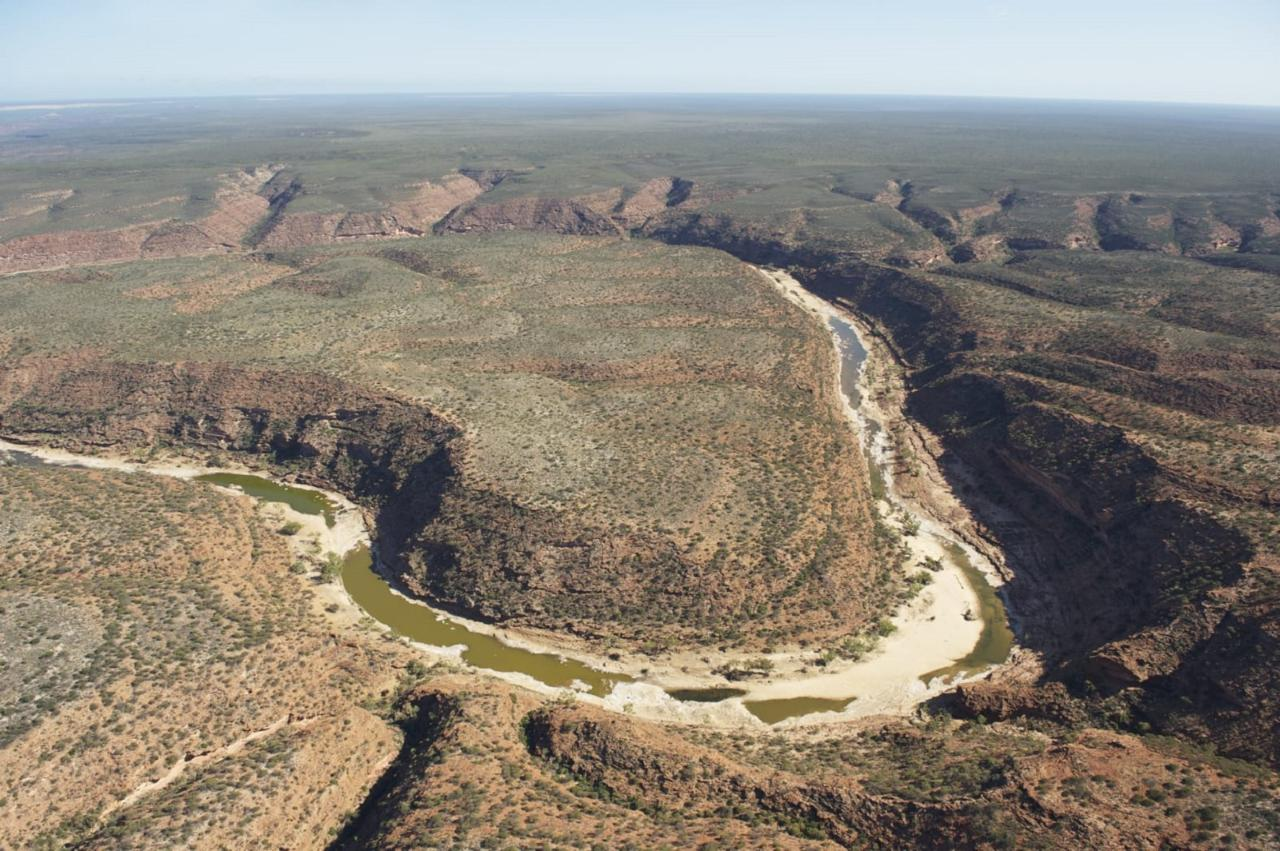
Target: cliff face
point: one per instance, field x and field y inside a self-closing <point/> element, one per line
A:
<point x="238" y="205"/>
<point x="888" y="785"/>
<point x="567" y="216"/>
<point x="1126" y="575"/>
<point x="611" y="212"/>
<point x="630" y="760"/>
<point x="251" y="210"/>
<point x="470" y="738"/>
<point x="1027" y="799"/>
<point x="1097" y="522"/>
<point x="467" y="549"/>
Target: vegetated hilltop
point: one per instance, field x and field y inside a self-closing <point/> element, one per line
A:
<point x="638" y="441"/>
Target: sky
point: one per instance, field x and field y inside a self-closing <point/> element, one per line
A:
<point x="1199" y="51"/>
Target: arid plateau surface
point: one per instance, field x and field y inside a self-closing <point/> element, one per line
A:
<point x="537" y="472"/>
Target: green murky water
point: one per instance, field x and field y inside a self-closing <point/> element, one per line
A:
<point x="768" y="711"/>
<point x="299" y="499"/>
<point x="773" y="711"/>
<point x="996" y="640"/>
<point x="412" y="620"/>
<point x="705" y="695"/>
<point x="417" y="622"/>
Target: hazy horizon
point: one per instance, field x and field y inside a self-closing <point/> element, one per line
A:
<point x="1181" y="51"/>
<point x="935" y="99"/>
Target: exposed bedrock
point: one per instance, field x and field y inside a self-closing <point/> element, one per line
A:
<point x="635" y="761"/>
<point x="632" y="761"/>
<point x="567" y="216"/>
<point x="242" y="199"/>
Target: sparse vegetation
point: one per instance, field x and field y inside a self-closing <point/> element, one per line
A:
<point x="1083" y="312"/>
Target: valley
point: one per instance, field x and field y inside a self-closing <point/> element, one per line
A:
<point x="525" y="473"/>
<point x="937" y="632"/>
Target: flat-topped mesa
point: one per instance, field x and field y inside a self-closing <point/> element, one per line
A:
<point x="238" y="206"/>
<point x="251" y="210"/>
<point x="609" y="212"/>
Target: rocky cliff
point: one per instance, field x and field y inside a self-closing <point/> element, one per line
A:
<point x="467" y="549"/>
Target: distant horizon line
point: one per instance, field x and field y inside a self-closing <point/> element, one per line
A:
<point x="127" y="100"/>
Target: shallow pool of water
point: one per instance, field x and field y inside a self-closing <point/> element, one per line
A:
<point x="996" y="641"/>
<point x="18" y="458"/>
<point x="301" y="500"/>
<point x="705" y="695"/>
<point x="773" y="711"/>
<point x="852" y="355"/>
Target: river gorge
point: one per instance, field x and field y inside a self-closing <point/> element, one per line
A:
<point x="955" y="628"/>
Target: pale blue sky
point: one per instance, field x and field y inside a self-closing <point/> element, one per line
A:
<point x="1223" y="51"/>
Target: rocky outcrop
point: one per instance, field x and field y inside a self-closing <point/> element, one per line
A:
<point x="432" y="202"/>
<point x="1222" y="687"/>
<point x="654" y="197"/>
<point x="294" y="230"/>
<point x="1000" y="701"/>
<point x="629" y="780"/>
<point x="1029" y="801"/>
<point x="1133" y="223"/>
<point x="750" y="241"/>
<point x="250" y="211"/>
<point x="556" y="215"/>
<point x="634" y="761"/>
<point x="981" y="249"/>
<point x="413" y="216"/>
<point x="610" y="212"/>
<point x="238" y="207"/>
<point x="470" y="737"/>
<point x="72" y="248"/>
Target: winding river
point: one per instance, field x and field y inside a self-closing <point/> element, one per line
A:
<point x="996" y="640"/>
<point x="420" y="623"/>
<point x="771" y="702"/>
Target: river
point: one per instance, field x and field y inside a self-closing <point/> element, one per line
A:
<point x="892" y="679"/>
